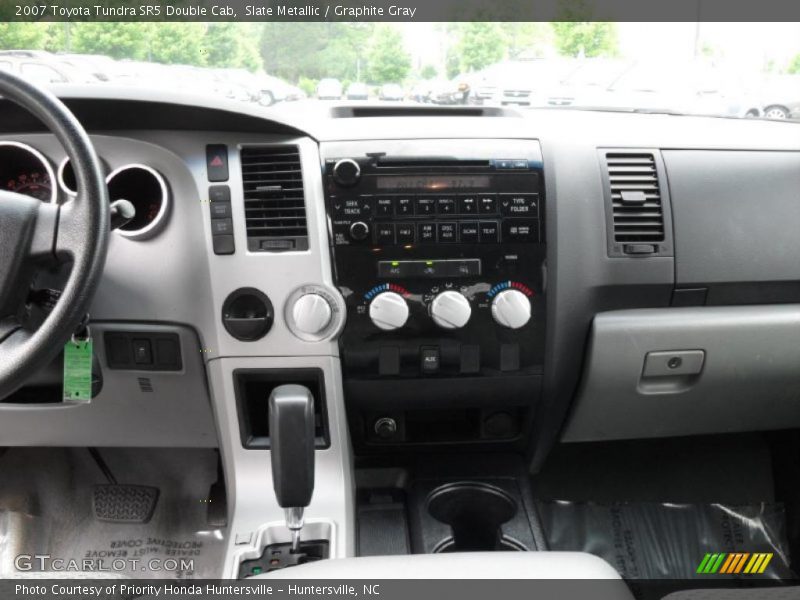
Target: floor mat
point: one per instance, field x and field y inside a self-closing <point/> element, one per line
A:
<point x="644" y="540"/>
<point x="46" y="508"/>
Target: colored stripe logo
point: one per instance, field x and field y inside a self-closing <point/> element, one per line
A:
<point x="734" y="563"/>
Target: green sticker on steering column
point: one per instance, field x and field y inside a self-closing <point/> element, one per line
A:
<point x="78" y="371"/>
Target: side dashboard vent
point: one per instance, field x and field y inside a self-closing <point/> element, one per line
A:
<point x="274" y="201"/>
<point x="637" y="210"/>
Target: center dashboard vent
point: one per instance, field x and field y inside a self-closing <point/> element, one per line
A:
<point x="638" y="222"/>
<point x="274" y="201"/>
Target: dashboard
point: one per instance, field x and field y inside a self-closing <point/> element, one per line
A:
<point x="462" y="278"/>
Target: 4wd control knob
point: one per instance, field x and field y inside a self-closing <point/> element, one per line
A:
<point x="389" y="311"/>
<point x="511" y="308"/>
<point x="450" y="310"/>
<point x="311" y="314"/>
<point x="346" y="172"/>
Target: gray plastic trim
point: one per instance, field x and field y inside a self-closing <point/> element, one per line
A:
<point x="747" y="382"/>
<point x="176" y="413"/>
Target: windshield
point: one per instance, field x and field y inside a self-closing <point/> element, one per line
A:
<point x="737" y="70"/>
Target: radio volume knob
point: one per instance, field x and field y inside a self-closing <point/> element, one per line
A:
<point x="388" y="311"/>
<point x="511" y="308"/>
<point x="450" y="310"/>
<point x="311" y="314"/>
<point x="346" y="172"/>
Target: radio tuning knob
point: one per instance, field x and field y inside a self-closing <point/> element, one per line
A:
<point x="511" y="308"/>
<point x="346" y="172"/>
<point x="450" y="310"/>
<point x="389" y="311"/>
<point x="311" y="313"/>
<point x="359" y="231"/>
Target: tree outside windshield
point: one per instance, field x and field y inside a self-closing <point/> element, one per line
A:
<point x="740" y="70"/>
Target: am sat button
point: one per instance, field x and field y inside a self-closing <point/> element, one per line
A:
<point x="521" y="230"/>
<point x="426" y="233"/>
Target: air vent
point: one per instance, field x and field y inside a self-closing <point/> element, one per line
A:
<point x="637" y="210"/>
<point x="274" y="202"/>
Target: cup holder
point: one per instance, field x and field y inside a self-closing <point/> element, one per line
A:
<point x="476" y="512"/>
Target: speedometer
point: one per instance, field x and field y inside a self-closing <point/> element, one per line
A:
<point x="33" y="183"/>
<point x="26" y="171"/>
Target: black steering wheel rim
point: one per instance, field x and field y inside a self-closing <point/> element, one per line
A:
<point x="80" y="234"/>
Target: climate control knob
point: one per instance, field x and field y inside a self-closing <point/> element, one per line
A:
<point x="511" y="308"/>
<point x="389" y="311"/>
<point x="450" y="310"/>
<point x="311" y="314"/>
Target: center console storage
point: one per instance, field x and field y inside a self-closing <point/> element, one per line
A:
<point x="439" y="251"/>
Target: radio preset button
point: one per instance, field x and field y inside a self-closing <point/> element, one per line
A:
<point x="468" y="232"/>
<point x="446" y="206"/>
<point x="519" y="205"/>
<point x="384" y="207"/>
<point x="521" y="230"/>
<point x="468" y="205"/>
<point x="426" y="233"/>
<point x="405" y="233"/>
<point x="447" y="233"/>
<point x="426" y="207"/>
<point x="489" y="232"/>
<point x="487" y="204"/>
<point x="384" y="234"/>
<point x="404" y="207"/>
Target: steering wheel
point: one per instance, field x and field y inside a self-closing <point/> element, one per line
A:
<point x="36" y="235"/>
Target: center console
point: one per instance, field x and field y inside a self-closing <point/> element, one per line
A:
<point x="439" y="252"/>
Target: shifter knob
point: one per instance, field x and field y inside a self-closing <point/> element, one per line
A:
<point x="291" y="436"/>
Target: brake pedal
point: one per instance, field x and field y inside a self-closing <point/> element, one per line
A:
<point x="118" y="503"/>
<point x="121" y="503"/>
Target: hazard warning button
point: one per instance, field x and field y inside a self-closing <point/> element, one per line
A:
<point x="217" y="162"/>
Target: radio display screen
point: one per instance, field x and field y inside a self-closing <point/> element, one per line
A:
<point x="433" y="182"/>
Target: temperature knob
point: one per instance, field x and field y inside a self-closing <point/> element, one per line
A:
<point x="450" y="310"/>
<point x="511" y="308"/>
<point x="388" y="311"/>
<point x="346" y="172"/>
<point x="311" y="314"/>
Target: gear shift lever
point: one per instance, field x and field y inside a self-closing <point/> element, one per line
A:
<point x="291" y="433"/>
